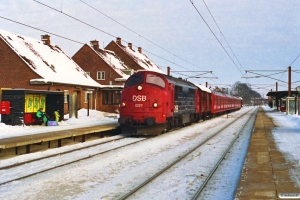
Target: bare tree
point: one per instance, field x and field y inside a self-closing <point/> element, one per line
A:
<point x="244" y="90"/>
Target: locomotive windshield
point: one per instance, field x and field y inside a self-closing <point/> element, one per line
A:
<point x="134" y="79"/>
<point x="156" y="80"/>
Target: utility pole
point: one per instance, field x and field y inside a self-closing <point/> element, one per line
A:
<point x="289" y="81"/>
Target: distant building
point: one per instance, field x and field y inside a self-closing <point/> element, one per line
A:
<point x="111" y="67"/>
<point x="38" y="65"/>
<point x="133" y="59"/>
<point x="94" y="77"/>
<point x="107" y="69"/>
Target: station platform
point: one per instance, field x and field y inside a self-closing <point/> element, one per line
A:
<point x="27" y="140"/>
<point x="265" y="173"/>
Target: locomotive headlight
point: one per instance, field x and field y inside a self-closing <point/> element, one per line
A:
<point x="123" y="104"/>
<point x="155" y="105"/>
<point x="139" y="87"/>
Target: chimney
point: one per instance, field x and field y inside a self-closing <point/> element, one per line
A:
<point x="95" y="44"/>
<point x="119" y="41"/>
<point x="140" y="50"/>
<point x="130" y="45"/>
<point x="46" y="39"/>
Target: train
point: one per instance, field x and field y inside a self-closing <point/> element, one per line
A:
<point x="152" y="103"/>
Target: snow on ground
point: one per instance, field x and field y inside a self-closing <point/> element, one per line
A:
<point x="95" y="118"/>
<point x="109" y="175"/>
<point x="287" y="138"/>
<point x="99" y="175"/>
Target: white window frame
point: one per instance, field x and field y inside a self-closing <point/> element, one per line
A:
<point x="85" y="95"/>
<point x="100" y="75"/>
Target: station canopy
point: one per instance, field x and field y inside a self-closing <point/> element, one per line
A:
<point x="280" y="94"/>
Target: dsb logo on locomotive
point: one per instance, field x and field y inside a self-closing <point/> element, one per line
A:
<point x="139" y="97"/>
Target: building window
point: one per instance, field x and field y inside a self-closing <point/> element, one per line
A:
<point x="110" y="97"/>
<point x="66" y="95"/>
<point x="115" y="97"/>
<point x="100" y="75"/>
<point x="86" y="93"/>
<point x="105" y="97"/>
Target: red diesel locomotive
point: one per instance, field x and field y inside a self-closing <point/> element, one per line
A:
<point x="152" y="103"/>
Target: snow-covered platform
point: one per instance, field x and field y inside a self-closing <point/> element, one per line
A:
<point x="266" y="173"/>
<point x="27" y="140"/>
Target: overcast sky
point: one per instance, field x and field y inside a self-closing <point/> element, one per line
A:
<point x="262" y="35"/>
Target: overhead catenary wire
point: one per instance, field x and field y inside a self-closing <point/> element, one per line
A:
<point x="266" y="76"/>
<point x="139" y="34"/>
<point x="222" y="34"/>
<point x="106" y="32"/>
<point x="41" y="30"/>
<point x="63" y="37"/>
<point x="215" y="36"/>
<point x="60" y="35"/>
<point x="283" y="73"/>
<point x="75" y="18"/>
<point x="295" y="59"/>
<point x="84" y="42"/>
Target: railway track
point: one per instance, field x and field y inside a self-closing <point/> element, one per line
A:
<point x="205" y="178"/>
<point x="119" y="168"/>
<point x="217" y="164"/>
<point x="65" y="156"/>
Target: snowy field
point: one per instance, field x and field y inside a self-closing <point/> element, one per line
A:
<point x="95" y="178"/>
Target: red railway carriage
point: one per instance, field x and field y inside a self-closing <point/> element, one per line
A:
<point x="203" y="105"/>
<point x="222" y="103"/>
<point x="152" y="102"/>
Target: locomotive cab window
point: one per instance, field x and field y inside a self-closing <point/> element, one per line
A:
<point x="156" y="80"/>
<point x="134" y="79"/>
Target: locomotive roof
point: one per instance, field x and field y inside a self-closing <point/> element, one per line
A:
<point x="203" y="88"/>
<point x="227" y="95"/>
<point x="179" y="81"/>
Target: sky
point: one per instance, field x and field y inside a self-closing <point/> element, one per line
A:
<point x="193" y="37"/>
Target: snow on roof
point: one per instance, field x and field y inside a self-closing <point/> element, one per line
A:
<point x="203" y="88"/>
<point x="113" y="61"/>
<point x="141" y="59"/>
<point x="113" y="86"/>
<point x="50" y="62"/>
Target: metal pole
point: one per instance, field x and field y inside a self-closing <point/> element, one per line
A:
<point x="88" y="104"/>
<point x="289" y="81"/>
